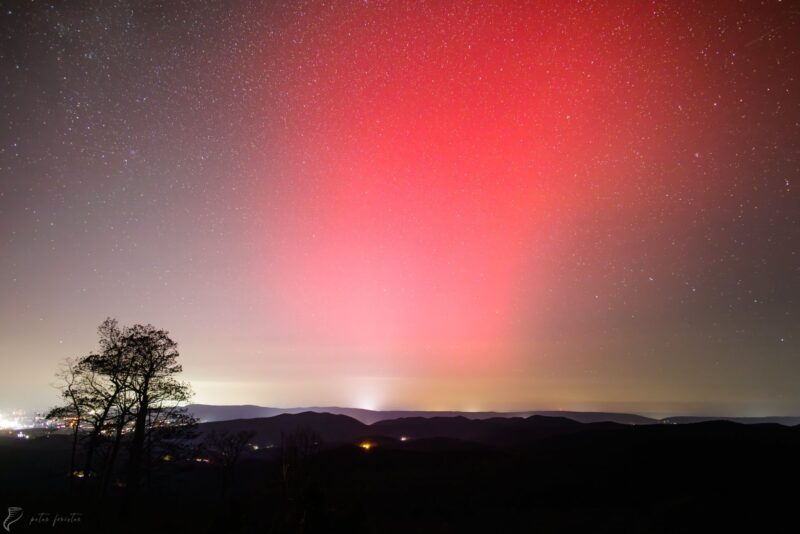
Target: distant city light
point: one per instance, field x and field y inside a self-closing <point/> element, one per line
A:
<point x="403" y="438"/>
<point x="22" y="419"/>
<point x="10" y="424"/>
<point x="366" y="445"/>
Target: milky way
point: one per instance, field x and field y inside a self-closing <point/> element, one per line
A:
<point x="492" y="205"/>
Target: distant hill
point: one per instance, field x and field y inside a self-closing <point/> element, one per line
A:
<point x="601" y="417"/>
<point x="405" y="432"/>
<point x="779" y="420"/>
<point x="494" y="431"/>
<point x="209" y="413"/>
<point x="331" y="428"/>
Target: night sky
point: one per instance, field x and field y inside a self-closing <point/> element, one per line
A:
<point x="423" y="205"/>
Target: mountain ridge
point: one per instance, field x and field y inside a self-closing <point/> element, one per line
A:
<point x="214" y="413"/>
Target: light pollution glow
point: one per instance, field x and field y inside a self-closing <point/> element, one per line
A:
<point x="429" y="206"/>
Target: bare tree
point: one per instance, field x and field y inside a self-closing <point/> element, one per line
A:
<point x="226" y="448"/>
<point x="126" y="393"/>
<point x="73" y="392"/>
<point x="298" y="477"/>
<point x="107" y="375"/>
<point x="158" y="394"/>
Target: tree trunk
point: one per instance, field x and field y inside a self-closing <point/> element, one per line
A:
<point x="95" y="437"/>
<point x="74" y="452"/>
<point x="137" y="446"/>
<point x="108" y="470"/>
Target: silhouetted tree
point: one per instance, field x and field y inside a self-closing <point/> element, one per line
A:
<point x="73" y="392"/>
<point x="124" y="394"/>
<point x="95" y="387"/>
<point x="107" y="375"/>
<point x="226" y="448"/>
<point x="302" y="500"/>
<point x="158" y="394"/>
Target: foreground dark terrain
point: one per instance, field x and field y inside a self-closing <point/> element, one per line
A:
<point x="317" y="472"/>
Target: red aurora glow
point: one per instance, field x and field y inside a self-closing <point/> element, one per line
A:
<point x="444" y="155"/>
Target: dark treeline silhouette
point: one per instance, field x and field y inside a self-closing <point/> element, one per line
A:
<point x="312" y="472"/>
<point x="225" y="449"/>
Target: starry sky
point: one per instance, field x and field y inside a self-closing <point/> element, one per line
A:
<point x="425" y="205"/>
